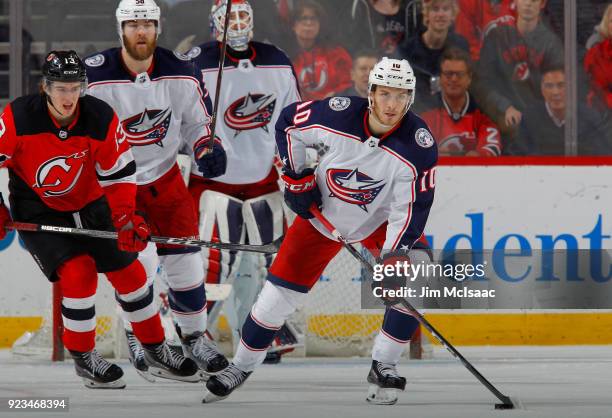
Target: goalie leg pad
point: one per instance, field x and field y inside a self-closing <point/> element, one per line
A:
<point x="264" y="222"/>
<point x="220" y="219"/>
<point x="273" y="307"/>
<point x="186" y="295"/>
<point x="150" y="261"/>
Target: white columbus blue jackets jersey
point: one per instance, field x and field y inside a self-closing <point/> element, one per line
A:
<point x="254" y="91"/>
<point x="364" y="181"/>
<point x="161" y="110"/>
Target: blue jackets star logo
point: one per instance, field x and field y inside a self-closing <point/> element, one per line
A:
<point x="250" y="112"/>
<point x="353" y="186"/>
<point x="148" y="127"/>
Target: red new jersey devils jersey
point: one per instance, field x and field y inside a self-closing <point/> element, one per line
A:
<point x="67" y="167"/>
<point x="457" y="134"/>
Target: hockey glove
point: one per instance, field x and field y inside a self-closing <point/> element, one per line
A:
<point x="213" y="163"/>
<point x="133" y="231"/>
<point x="301" y="191"/>
<point x="5" y="217"/>
<point x="391" y="283"/>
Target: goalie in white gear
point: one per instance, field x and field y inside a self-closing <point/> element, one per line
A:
<point x="374" y="184"/>
<point x="243" y="205"/>
<point x="163" y="107"/>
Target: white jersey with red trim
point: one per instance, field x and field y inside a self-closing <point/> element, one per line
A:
<point x="364" y="181"/>
<point x="162" y="110"/>
<point x="256" y="86"/>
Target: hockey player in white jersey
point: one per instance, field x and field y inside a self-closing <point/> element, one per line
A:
<point x="163" y="106"/>
<point x="374" y="183"/>
<point x="244" y="204"/>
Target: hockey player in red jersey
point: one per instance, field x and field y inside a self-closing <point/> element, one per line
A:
<point x="70" y="165"/>
<point x="163" y="107"/>
<point x="375" y="183"/>
<point x="245" y="203"/>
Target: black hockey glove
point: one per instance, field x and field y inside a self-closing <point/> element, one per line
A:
<point x="391" y="282"/>
<point x="213" y="163"/>
<point x="301" y="191"/>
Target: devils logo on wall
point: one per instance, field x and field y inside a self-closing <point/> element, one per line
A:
<point x="353" y="186"/>
<point x="148" y="127"/>
<point x="250" y="112"/>
<point x="59" y="175"/>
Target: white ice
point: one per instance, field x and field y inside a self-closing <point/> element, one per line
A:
<point x="551" y="382"/>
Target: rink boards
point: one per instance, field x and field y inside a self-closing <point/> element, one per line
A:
<point x="476" y="207"/>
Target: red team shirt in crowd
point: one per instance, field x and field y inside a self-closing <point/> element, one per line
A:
<point x="477" y="17"/>
<point x="323" y="71"/>
<point x="67" y="167"/>
<point x="598" y="64"/>
<point x="470" y="130"/>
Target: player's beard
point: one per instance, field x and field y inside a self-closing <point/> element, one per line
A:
<point x="137" y="53"/>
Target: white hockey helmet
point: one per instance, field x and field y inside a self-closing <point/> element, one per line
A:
<point x="137" y="10"/>
<point x="239" y="38"/>
<point x="391" y="72"/>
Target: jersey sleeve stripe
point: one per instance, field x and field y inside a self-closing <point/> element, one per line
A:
<point x="289" y="145"/>
<point x="126" y="175"/>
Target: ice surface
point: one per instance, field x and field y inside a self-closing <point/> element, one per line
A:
<point x="551" y="382"/>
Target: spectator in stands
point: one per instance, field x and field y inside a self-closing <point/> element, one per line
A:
<point x="598" y="64"/>
<point x="459" y="126"/>
<point x="542" y="128"/>
<point x="508" y="74"/>
<point x="425" y="49"/>
<point x="477" y="17"/>
<point x="587" y="18"/>
<point x="323" y="69"/>
<point x="363" y="62"/>
<point x="382" y="24"/>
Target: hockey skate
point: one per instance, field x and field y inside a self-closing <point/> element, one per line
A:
<point x="137" y="357"/>
<point x="165" y="362"/>
<point x="96" y="372"/>
<point x="384" y="383"/>
<point x="205" y="353"/>
<point x="221" y="385"/>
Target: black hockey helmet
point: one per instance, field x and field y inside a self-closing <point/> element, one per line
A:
<point x="64" y="66"/>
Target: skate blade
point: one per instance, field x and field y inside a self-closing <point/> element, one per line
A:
<point x="381" y="396"/>
<point x="91" y="384"/>
<point x="164" y="374"/>
<point x="210" y="397"/>
<point x="146" y="375"/>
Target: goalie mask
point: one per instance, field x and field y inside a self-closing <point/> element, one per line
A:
<point x="240" y="30"/>
<point x="395" y="73"/>
<point x="137" y="10"/>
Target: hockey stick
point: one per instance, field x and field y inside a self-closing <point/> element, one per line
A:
<point x="213" y="121"/>
<point x="507" y="403"/>
<point x="266" y="249"/>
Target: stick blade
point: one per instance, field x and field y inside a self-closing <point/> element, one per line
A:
<point x="513" y="403"/>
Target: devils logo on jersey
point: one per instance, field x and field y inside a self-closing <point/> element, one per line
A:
<point x="59" y="175"/>
<point x="458" y="143"/>
<point x="148" y="127"/>
<point x="353" y="186"/>
<point x="250" y="112"/>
